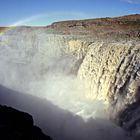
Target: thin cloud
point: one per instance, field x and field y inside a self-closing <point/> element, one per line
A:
<point x="132" y="1"/>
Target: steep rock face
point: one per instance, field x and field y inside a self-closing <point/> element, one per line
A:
<point x="112" y="73"/>
<point x="18" y="125"/>
<point x="112" y="70"/>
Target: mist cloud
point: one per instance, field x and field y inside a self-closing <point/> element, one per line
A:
<point x="47" y="87"/>
<point x="61" y="124"/>
<point x="58" y="105"/>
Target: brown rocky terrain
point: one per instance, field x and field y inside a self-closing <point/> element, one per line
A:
<point x="2" y="29"/>
<point x="118" y="27"/>
<point x="124" y="27"/>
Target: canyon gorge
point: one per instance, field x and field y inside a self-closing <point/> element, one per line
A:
<point x="88" y="69"/>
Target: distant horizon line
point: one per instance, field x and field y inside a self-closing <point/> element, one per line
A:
<point x="12" y="26"/>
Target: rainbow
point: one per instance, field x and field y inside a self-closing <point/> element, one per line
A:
<point x="3" y="30"/>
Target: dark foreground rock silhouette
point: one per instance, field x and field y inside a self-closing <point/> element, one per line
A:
<point x="58" y="123"/>
<point x="16" y="125"/>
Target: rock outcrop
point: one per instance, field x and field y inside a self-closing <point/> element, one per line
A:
<point x="111" y="73"/>
<point x="125" y="27"/>
<point x="18" y="125"/>
<point x="105" y="52"/>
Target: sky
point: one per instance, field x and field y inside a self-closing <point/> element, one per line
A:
<point x="44" y="12"/>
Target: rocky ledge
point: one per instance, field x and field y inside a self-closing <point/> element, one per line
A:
<point x="125" y="27"/>
<point x="17" y="125"/>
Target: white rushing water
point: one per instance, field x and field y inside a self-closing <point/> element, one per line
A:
<point x="36" y="65"/>
<point x="39" y="66"/>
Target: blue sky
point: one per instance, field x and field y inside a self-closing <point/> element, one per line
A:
<point x="44" y="12"/>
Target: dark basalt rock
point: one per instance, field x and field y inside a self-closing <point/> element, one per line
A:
<point x="129" y="119"/>
<point x="17" y="125"/>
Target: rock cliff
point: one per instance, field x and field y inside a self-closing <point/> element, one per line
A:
<point x="101" y="28"/>
<point x="105" y="55"/>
